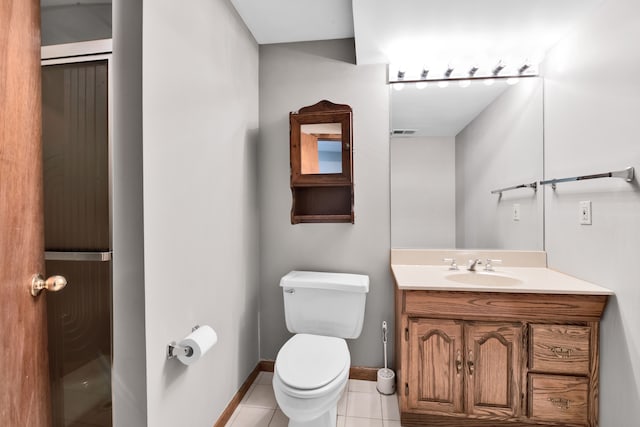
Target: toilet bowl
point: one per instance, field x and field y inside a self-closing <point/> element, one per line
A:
<point x="311" y="373"/>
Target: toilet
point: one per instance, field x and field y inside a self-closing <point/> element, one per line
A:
<point x="312" y="367"/>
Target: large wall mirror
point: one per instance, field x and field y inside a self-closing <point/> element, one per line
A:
<point x="450" y="148"/>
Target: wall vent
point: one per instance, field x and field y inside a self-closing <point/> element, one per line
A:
<point x="399" y="132"/>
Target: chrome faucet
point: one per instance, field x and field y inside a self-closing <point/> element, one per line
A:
<point x="473" y="263"/>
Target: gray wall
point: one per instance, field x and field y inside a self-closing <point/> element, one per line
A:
<point x="501" y="147"/>
<point x="200" y="120"/>
<point x="592" y="105"/>
<point x="129" y="380"/>
<point x="423" y="189"/>
<point x="75" y="23"/>
<point x="293" y="76"/>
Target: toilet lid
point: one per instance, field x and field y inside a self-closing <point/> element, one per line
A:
<point x="307" y="362"/>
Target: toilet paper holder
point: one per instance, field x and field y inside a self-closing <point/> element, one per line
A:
<point x="174" y="350"/>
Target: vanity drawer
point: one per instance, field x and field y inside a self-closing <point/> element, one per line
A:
<point x="559" y="398"/>
<point x="563" y="349"/>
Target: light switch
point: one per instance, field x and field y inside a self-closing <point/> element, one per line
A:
<point x="585" y="212"/>
<point x="516" y="212"/>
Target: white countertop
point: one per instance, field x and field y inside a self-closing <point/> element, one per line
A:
<point x="533" y="280"/>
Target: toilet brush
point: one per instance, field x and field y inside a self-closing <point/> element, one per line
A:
<point x="386" y="377"/>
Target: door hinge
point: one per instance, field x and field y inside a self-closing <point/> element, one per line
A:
<point x="406" y="334"/>
<point x="406" y="389"/>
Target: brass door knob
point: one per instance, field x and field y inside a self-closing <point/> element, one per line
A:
<point x="52" y="284"/>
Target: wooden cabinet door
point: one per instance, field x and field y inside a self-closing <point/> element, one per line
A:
<point x="493" y="368"/>
<point x="435" y="371"/>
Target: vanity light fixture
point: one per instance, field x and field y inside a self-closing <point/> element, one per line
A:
<point x="467" y="82"/>
<point x="497" y="69"/>
<point x="400" y="86"/>
<point x="447" y="75"/>
<point x="421" y="76"/>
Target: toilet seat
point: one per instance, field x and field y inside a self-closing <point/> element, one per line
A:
<point x="311" y="362"/>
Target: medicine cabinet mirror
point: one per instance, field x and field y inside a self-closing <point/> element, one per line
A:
<point x="321" y="163"/>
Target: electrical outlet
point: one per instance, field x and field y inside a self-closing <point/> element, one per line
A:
<point x="516" y="212"/>
<point x="584" y="212"/>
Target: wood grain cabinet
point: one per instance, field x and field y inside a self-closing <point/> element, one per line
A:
<point x="321" y="153"/>
<point x="453" y="362"/>
<point x="491" y="359"/>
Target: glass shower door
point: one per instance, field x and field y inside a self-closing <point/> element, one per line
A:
<point x="78" y="239"/>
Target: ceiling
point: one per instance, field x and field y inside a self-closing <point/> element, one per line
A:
<point x="420" y="31"/>
<point x="414" y="34"/>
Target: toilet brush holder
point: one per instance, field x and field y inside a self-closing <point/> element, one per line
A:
<point x="386" y="377"/>
<point x="386" y="381"/>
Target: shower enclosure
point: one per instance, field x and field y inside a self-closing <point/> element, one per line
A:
<point x="78" y="242"/>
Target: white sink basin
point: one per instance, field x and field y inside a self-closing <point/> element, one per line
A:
<point x="483" y="278"/>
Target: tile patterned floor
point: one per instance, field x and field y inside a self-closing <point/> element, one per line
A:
<point x="360" y="406"/>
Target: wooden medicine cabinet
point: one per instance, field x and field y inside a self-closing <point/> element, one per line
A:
<point x="321" y="150"/>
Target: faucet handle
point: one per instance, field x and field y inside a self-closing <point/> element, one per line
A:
<point x="453" y="265"/>
<point x="488" y="266"/>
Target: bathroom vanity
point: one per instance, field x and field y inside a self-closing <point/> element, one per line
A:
<point x="516" y="346"/>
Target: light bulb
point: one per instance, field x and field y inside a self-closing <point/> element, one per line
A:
<point x="421" y="85"/>
<point x="489" y="82"/>
<point x="464" y="83"/>
<point x="443" y="84"/>
<point x="398" y="86"/>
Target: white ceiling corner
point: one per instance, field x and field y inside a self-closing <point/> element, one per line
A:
<point x="285" y="21"/>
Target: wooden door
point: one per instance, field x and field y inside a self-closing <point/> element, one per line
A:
<point x="435" y="371"/>
<point x="493" y="369"/>
<point x="24" y="388"/>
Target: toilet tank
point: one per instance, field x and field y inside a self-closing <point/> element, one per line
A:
<point x="321" y="303"/>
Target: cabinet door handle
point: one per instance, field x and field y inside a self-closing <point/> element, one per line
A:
<point x="458" y="362"/>
<point x="470" y="364"/>
<point x="560" y="402"/>
<point x="561" y="352"/>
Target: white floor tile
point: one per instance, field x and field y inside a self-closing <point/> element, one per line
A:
<point x="279" y="419"/>
<point x="253" y="417"/>
<point x="364" y="405"/>
<point x="342" y="403"/>
<point x="391" y="423"/>
<point x="261" y="396"/>
<point x="363" y="422"/>
<point x="264" y="378"/>
<point x="362" y="386"/>
<point x="390" y="409"/>
<point x="233" y="416"/>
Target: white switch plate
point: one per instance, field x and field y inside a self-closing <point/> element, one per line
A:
<point x="516" y="212"/>
<point x="584" y="213"/>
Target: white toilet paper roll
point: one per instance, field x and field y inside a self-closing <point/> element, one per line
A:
<point x="199" y="341"/>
